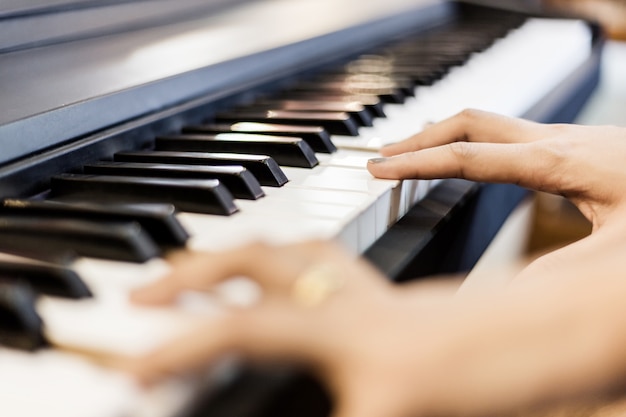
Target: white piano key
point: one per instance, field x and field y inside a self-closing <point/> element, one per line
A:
<point x="364" y="205"/>
<point x="53" y="383"/>
<point x="509" y="78"/>
<point x="108" y="324"/>
<point x="387" y="192"/>
<point x="111" y="325"/>
<point x="56" y="383"/>
<point x="411" y="190"/>
<point x="211" y="233"/>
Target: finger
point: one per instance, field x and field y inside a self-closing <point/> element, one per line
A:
<point x="274" y="331"/>
<point x="190" y="270"/>
<point x="274" y="268"/>
<point x="468" y="126"/>
<point x="203" y="270"/>
<point x="523" y="164"/>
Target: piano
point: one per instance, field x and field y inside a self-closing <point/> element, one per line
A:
<point x="131" y="129"/>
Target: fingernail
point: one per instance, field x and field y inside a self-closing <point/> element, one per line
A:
<point x="377" y="160"/>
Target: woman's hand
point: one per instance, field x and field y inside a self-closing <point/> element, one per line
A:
<point x="383" y="350"/>
<point x="321" y="307"/>
<point x="585" y="164"/>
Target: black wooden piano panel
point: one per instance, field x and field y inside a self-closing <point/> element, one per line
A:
<point x="59" y="93"/>
<point x="29" y="24"/>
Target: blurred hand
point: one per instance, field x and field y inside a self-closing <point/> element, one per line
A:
<point x="321" y="308"/>
<point x="399" y="352"/>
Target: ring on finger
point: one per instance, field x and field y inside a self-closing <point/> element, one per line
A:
<point x="318" y="282"/>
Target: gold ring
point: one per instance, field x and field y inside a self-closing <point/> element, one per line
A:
<point x="316" y="284"/>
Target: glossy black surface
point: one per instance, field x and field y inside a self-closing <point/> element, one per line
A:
<point x="317" y="137"/>
<point x="45" y="278"/>
<point x="355" y="109"/>
<point x="336" y="123"/>
<point x="60" y="93"/>
<point x="194" y="195"/>
<point x="239" y="181"/>
<point x="264" y="168"/>
<point x="41" y="237"/>
<point x="20" y="325"/>
<point x="286" y="151"/>
<point x="158" y="220"/>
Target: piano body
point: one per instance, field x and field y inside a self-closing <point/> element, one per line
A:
<point x="85" y="97"/>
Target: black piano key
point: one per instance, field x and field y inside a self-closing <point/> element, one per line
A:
<point x="442" y="61"/>
<point x="158" y="220"/>
<point x="336" y="123"/>
<point x="386" y="90"/>
<point x="387" y="65"/>
<point x="263" y="167"/>
<point x="371" y="102"/>
<point x="20" y="325"/>
<point x="286" y="151"/>
<point x="316" y="136"/>
<point x="198" y="196"/>
<point x="435" y="50"/>
<point x="45" y="278"/>
<point x="239" y="181"/>
<point x="424" y="75"/>
<point x="124" y="241"/>
<point x="369" y="64"/>
<point x="57" y="256"/>
<point x="353" y="108"/>
<point x="403" y="85"/>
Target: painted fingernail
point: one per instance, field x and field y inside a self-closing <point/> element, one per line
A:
<point x="377" y="160"/>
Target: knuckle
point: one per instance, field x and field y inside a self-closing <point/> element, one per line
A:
<point x="462" y="151"/>
<point x="553" y="153"/>
<point x="553" y="160"/>
<point x="558" y="129"/>
<point x="470" y="114"/>
<point x="462" y="154"/>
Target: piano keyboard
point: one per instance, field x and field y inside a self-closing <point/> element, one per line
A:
<point x="334" y="197"/>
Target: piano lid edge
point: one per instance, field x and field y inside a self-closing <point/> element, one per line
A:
<point x="72" y="120"/>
